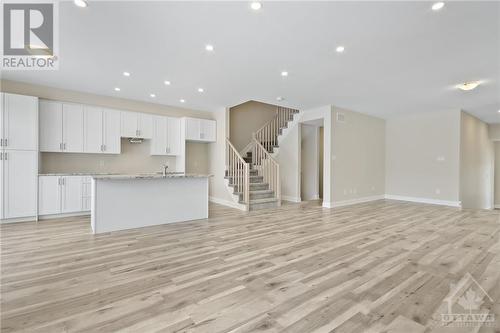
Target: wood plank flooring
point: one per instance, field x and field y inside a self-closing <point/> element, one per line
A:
<point x="384" y="266"/>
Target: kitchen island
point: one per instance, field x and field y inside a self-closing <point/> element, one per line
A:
<point x="132" y="201"/>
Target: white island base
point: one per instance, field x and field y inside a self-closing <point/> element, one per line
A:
<point x="132" y="201"/>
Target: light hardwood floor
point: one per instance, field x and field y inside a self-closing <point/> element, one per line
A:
<point x="384" y="266"/>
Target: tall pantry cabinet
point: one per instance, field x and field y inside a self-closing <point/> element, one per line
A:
<point x="18" y="156"/>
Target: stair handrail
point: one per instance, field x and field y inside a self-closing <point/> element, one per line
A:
<point x="268" y="134"/>
<point x="267" y="167"/>
<point x="238" y="171"/>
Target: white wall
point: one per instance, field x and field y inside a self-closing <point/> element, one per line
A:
<point x="358" y="158"/>
<point x="289" y="161"/>
<point x="476" y="164"/>
<point x="494" y="132"/>
<point x="497" y="174"/>
<point x="423" y="157"/>
<point x="309" y="188"/>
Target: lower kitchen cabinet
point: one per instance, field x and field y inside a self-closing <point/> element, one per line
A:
<point x="62" y="194"/>
<point x="18" y="172"/>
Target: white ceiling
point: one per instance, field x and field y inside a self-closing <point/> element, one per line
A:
<point x="400" y="57"/>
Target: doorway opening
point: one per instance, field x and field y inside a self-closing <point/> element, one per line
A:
<point x="311" y="160"/>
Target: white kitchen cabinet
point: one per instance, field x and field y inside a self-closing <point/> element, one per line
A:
<point x="93" y="129"/>
<point x="61" y="127"/>
<point x="101" y="130"/>
<point x="18" y="122"/>
<point x="49" y="195"/>
<point x="111" y="132"/>
<point x="72" y="128"/>
<point x="51" y="129"/>
<point x="201" y="130"/>
<point x="166" y="136"/>
<point x="63" y="194"/>
<point x="136" y="125"/>
<point x="19" y="183"/>
<point x="71" y="194"/>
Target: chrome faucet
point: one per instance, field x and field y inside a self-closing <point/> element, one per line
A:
<point x="165" y="167"/>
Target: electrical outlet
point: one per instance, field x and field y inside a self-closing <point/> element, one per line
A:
<point x="440" y="158"/>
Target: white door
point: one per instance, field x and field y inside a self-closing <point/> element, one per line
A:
<point x="145" y="126"/>
<point x="173" y="136"/>
<point x="129" y="124"/>
<point x="207" y="130"/>
<point x="51" y="126"/>
<point x="71" y="194"/>
<point x="2" y="187"/>
<point x="49" y="195"/>
<point x="20" y="183"/>
<point x="159" y="137"/>
<point x="93" y="126"/>
<point x="111" y="132"/>
<point x="192" y="129"/>
<point x="73" y="128"/>
<point x="20" y="122"/>
<point x="1" y="121"/>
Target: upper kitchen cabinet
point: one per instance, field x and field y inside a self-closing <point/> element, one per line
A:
<point x="136" y="125"/>
<point x="166" y="138"/>
<point x="61" y="127"/>
<point x="101" y="130"/>
<point x="18" y="122"/>
<point x="201" y="130"/>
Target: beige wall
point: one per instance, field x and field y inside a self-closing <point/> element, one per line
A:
<point x="494" y="132"/>
<point x="358" y="157"/>
<point x="246" y="119"/>
<point x="476" y="164"/>
<point x="497" y="174"/>
<point x="423" y="156"/>
<point x="134" y="157"/>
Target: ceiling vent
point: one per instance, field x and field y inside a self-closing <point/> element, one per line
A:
<point x="340" y="117"/>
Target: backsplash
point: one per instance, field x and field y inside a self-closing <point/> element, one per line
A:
<point x="134" y="158"/>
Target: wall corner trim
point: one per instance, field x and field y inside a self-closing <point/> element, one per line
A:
<point x="457" y="204"/>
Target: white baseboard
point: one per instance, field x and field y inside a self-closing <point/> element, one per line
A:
<point x="349" y="202"/>
<point x="19" y="219"/>
<point x="497" y="206"/>
<point x="227" y="203"/>
<point x="290" y="198"/>
<point x="60" y="216"/>
<point x="424" y="200"/>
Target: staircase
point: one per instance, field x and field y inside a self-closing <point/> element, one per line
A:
<point x="253" y="175"/>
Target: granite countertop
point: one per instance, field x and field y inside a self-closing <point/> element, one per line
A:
<point x="149" y="176"/>
<point x="78" y="174"/>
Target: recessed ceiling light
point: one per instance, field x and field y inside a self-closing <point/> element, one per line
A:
<point x="438" y="6"/>
<point x="340" y="49"/>
<point x="498" y="111"/>
<point x="200" y="90"/>
<point x="117" y="89"/>
<point x="284" y="73"/>
<point x="81" y="3"/>
<point x="152" y="95"/>
<point x="279" y="98"/>
<point x="182" y="100"/>
<point x="209" y="47"/>
<point x="466" y="86"/>
<point x="256" y="5"/>
<point x="167" y="83"/>
<point x="126" y="74"/>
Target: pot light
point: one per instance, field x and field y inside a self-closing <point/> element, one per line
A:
<point x="279" y="98"/>
<point x="256" y="5"/>
<point x="182" y="100"/>
<point x="126" y="74"/>
<point x="152" y="95"/>
<point x="340" y="49"/>
<point x="284" y="73"/>
<point x="498" y="111"/>
<point x="117" y="89"/>
<point x="209" y="47"/>
<point x="200" y="90"/>
<point x="437" y="6"/>
<point x="467" y="86"/>
<point x="81" y="3"/>
<point x="167" y="83"/>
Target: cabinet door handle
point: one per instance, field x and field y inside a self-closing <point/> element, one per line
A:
<point x="64" y="146"/>
<point x="1" y="142"/>
<point x="104" y="147"/>
<point x="60" y="146"/>
<point x="1" y="156"/>
<point x="6" y="142"/>
<point x="101" y="147"/>
<point x="5" y="156"/>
